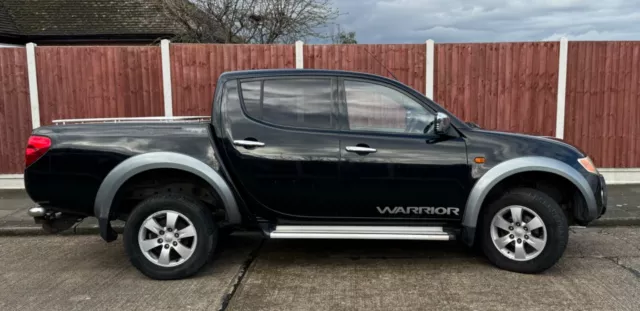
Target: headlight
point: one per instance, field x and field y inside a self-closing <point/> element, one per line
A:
<point x="588" y="165"/>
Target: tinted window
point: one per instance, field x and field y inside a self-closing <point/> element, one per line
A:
<point x="373" y="107"/>
<point x="251" y="94"/>
<point x="304" y="102"/>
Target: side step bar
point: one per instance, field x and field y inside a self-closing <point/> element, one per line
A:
<point x="362" y="232"/>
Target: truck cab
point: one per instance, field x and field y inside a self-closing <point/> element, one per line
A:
<point x="324" y="154"/>
<point x="323" y="146"/>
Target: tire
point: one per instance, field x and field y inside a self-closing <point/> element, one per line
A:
<point x="197" y="246"/>
<point x="554" y="231"/>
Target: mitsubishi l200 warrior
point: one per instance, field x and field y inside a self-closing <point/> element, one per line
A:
<point x="312" y="154"/>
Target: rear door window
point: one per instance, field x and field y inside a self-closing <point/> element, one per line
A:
<point x="297" y="102"/>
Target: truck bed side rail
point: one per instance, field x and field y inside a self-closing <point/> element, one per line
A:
<point x="134" y="120"/>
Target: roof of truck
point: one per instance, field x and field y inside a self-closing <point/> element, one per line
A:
<point x="297" y="72"/>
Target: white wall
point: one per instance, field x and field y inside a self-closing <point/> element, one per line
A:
<point x="7" y="45"/>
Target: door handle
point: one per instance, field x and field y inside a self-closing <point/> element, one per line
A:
<point x="248" y="143"/>
<point x="358" y="149"/>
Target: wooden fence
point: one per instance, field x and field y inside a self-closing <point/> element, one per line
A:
<point x="503" y="86"/>
<point x="603" y="101"/>
<point x="98" y="82"/>
<point x="15" y="111"/>
<point x="406" y="61"/>
<point x="511" y="87"/>
<point x="195" y="70"/>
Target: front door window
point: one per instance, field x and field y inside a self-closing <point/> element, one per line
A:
<point x="376" y="108"/>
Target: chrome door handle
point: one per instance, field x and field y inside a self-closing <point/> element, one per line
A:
<point x="360" y="149"/>
<point x="248" y="143"/>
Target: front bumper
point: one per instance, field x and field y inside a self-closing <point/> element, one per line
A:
<point x="594" y="199"/>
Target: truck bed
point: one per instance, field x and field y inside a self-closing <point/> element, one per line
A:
<point x="82" y="155"/>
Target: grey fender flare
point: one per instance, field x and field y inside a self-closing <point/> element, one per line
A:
<point x="155" y="160"/>
<point x="519" y="165"/>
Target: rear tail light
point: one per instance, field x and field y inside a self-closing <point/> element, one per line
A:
<point x="36" y="147"/>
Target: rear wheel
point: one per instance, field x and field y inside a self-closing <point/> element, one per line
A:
<point x="524" y="231"/>
<point x="169" y="236"/>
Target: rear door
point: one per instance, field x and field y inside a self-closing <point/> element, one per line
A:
<point x="282" y="142"/>
<point x="393" y="164"/>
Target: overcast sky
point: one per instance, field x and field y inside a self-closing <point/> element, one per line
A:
<point x="414" y="21"/>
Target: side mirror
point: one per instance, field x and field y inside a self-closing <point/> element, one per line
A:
<point x="442" y="123"/>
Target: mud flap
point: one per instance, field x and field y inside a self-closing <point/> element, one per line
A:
<point x="106" y="231"/>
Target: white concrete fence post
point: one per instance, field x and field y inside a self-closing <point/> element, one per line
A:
<point x="299" y="55"/>
<point x="166" y="78"/>
<point x="429" y="69"/>
<point x="562" y="87"/>
<point x="33" y="85"/>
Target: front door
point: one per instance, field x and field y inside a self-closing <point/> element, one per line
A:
<point x="281" y="140"/>
<point x="393" y="165"/>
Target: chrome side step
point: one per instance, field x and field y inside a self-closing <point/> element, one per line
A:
<point x="362" y="232"/>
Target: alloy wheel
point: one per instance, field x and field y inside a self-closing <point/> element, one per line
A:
<point x="167" y="238"/>
<point x="518" y="233"/>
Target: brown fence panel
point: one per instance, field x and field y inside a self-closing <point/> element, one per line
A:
<point x="15" y="110"/>
<point x="99" y="81"/>
<point x="603" y="97"/>
<point x="503" y="86"/>
<point x="406" y="61"/>
<point x="195" y="69"/>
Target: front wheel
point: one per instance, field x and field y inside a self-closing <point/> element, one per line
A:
<point x="524" y="231"/>
<point x="169" y="236"/>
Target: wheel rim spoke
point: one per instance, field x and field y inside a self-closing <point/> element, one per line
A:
<point x="516" y="214"/>
<point x="534" y="223"/>
<point x="184" y="251"/>
<point x="520" y="253"/>
<point x="148" y="245"/>
<point x="187" y="232"/>
<point x="172" y="218"/>
<point x="536" y="243"/>
<point x="152" y="225"/>
<point x="501" y="223"/>
<point x="164" y="256"/>
<point x="503" y="241"/>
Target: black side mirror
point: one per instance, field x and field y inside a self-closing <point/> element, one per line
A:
<point x="442" y="123"/>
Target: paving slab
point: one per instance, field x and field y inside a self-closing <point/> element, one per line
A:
<point x="85" y="273"/>
<point x="598" y="272"/>
<point x="389" y="275"/>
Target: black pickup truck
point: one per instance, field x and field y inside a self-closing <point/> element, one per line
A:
<point x="312" y="154"/>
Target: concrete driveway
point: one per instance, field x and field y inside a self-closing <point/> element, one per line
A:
<point x="600" y="271"/>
